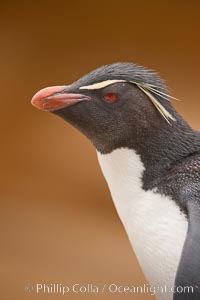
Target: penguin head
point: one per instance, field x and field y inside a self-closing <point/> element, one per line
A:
<point x="113" y="106"/>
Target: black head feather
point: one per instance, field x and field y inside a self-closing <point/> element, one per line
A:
<point x="126" y="71"/>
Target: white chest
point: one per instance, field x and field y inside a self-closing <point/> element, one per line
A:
<point x="154" y="224"/>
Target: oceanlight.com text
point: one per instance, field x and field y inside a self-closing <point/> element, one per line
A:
<point x="111" y="288"/>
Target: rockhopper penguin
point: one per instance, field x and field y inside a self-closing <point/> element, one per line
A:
<point x="150" y="158"/>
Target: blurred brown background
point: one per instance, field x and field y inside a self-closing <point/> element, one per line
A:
<point x="57" y="219"/>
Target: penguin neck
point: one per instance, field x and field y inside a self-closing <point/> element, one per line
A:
<point x="166" y="146"/>
<point x="160" y="146"/>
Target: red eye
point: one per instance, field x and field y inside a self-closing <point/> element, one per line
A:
<point x="110" y="97"/>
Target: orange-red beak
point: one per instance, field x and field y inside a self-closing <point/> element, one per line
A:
<point x="54" y="98"/>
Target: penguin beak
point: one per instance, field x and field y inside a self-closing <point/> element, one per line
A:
<point x="56" y="97"/>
